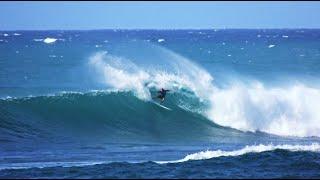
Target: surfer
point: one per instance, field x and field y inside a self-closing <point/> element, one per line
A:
<point x="162" y="94"/>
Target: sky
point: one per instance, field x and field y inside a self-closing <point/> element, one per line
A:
<point x="158" y="15"/>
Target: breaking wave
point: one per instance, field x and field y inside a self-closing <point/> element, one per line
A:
<point x="286" y="111"/>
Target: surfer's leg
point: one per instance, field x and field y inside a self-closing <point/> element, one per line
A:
<point x="162" y="99"/>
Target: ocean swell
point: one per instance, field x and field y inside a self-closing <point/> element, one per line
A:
<point x="289" y="110"/>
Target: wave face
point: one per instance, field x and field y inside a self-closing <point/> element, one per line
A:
<point x="105" y="116"/>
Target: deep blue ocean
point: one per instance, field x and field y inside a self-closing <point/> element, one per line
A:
<point x="78" y="104"/>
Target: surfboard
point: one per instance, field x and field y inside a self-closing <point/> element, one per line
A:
<point x="161" y="105"/>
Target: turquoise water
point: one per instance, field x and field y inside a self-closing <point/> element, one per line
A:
<point x="78" y="104"/>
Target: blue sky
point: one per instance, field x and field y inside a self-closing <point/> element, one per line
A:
<point x="158" y="15"/>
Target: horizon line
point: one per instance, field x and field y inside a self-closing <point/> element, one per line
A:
<point x="161" y="29"/>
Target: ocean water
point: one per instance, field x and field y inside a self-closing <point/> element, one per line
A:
<point x="78" y="104"/>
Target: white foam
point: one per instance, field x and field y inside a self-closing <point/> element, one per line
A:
<point x="5" y="98"/>
<point x="49" y="40"/>
<point x="258" y="35"/>
<point x="16" y="34"/>
<point x="287" y="111"/>
<point x="271" y="46"/>
<point x="314" y="147"/>
<point x="284" y="36"/>
<point x="5" y="34"/>
<point x="161" y="40"/>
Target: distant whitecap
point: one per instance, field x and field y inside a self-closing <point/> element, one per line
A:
<point x="49" y="40"/>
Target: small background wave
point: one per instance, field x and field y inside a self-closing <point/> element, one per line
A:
<point x="278" y="163"/>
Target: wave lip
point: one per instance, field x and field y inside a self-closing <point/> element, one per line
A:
<point x="314" y="147"/>
<point x="121" y="73"/>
